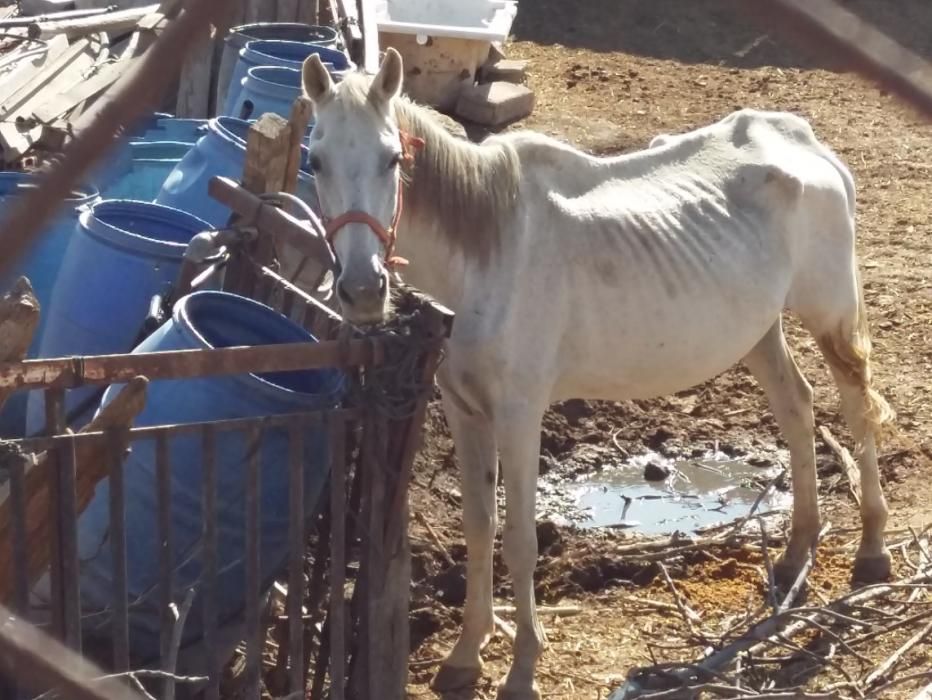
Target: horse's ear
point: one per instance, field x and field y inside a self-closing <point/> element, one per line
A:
<point x="318" y="85"/>
<point x="387" y="83"/>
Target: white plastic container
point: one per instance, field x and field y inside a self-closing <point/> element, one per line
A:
<point x="442" y="42"/>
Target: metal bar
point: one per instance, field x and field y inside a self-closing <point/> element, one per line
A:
<point x="71" y="575"/>
<point x="20" y="571"/>
<point x="120" y="620"/>
<point x="151" y="432"/>
<point x="138" y="93"/>
<point x="184" y="364"/>
<point x="209" y="560"/>
<point x="337" y="560"/>
<point x="288" y="303"/>
<point x="166" y="550"/>
<point x="826" y="26"/>
<point x="253" y="562"/>
<point x="54" y="425"/>
<point x="297" y="540"/>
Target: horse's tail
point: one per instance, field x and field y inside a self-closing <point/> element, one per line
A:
<point x="848" y="349"/>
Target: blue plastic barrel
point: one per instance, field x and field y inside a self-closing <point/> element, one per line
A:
<point x="208" y="320"/>
<point x="238" y="37"/>
<point x="284" y="54"/>
<point x="140" y="169"/>
<point x="122" y="253"/>
<point x="176" y="129"/>
<point x="267" y="89"/>
<point x="220" y="152"/>
<point x="40" y="264"/>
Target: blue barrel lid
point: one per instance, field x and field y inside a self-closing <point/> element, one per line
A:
<point x="14" y="183"/>
<point x="291" y="31"/>
<point x="213" y="319"/>
<point x="144" y="228"/>
<point x="295" y="52"/>
<point x="276" y="80"/>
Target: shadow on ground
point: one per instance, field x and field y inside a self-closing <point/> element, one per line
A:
<point x="717" y="32"/>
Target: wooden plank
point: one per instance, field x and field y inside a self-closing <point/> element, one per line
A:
<point x="370" y="36"/>
<point x="117" y="22"/>
<point x="287" y="10"/>
<point x="59" y="104"/>
<point x="49" y="71"/>
<point x="309" y="12"/>
<point x="78" y="72"/>
<point x="195" y="84"/>
<point x="27" y="71"/>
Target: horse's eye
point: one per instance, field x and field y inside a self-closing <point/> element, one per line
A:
<point x="313" y="164"/>
<point x="394" y="161"/>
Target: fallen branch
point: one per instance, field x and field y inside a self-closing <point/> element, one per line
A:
<point x="435" y="538"/>
<point x="558" y="611"/>
<point x="894" y="658"/>
<point x="847" y="462"/>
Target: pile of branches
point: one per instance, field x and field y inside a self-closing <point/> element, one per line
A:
<point x="779" y="650"/>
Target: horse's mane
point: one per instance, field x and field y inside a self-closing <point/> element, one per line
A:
<point x="464" y="191"/>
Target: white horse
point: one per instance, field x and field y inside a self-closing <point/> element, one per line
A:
<point x="600" y="278"/>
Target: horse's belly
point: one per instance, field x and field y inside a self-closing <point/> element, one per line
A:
<point x="643" y="351"/>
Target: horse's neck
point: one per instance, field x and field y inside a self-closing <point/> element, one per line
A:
<point x="452" y="206"/>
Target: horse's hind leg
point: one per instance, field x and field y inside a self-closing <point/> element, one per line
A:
<point x="835" y="314"/>
<point x="790" y="398"/>
<point x="846" y="348"/>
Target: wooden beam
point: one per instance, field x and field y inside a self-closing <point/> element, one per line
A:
<point x="370" y="36"/>
<point x="195" y="84"/>
<point x="117" y="22"/>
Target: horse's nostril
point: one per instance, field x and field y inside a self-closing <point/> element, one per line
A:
<point x="344" y="296"/>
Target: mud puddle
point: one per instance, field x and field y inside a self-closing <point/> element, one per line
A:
<point x="680" y="494"/>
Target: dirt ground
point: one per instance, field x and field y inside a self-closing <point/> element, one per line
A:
<point x="610" y="74"/>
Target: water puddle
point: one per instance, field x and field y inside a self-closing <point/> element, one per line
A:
<point x="695" y="494"/>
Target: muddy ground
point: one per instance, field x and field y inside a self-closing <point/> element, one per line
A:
<point x="610" y="74"/>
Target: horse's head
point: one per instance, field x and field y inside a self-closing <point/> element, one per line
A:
<point x="356" y="154"/>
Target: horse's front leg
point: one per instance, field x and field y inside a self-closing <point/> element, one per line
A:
<point x="474" y="439"/>
<point x="518" y="435"/>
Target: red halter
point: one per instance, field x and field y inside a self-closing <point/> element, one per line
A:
<point x="388" y="236"/>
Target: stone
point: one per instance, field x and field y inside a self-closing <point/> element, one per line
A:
<point x="654" y="471"/>
<point x="495" y="104"/>
<point x="509" y="71"/>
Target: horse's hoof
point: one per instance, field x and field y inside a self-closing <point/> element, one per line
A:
<point x="785" y="574"/>
<point x="872" y="569"/>
<point x="450" y="678"/>
<point x="506" y="693"/>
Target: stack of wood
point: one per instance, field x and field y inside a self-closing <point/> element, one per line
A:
<point x="55" y="67"/>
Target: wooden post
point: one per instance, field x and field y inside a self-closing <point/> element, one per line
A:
<point x="267" y="153"/>
<point x="195" y="85"/>
<point x="300" y="119"/>
<point x="19" y="317"/>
